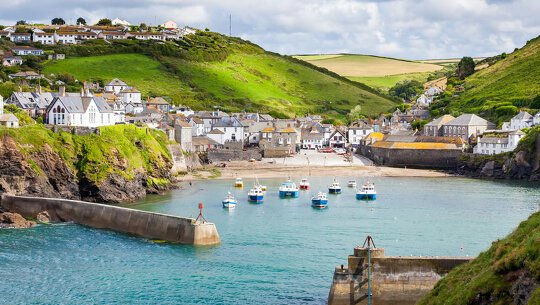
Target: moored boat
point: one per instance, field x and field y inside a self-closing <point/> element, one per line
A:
<point x="320" y="201"/>
<point x="334" y="188"/>
<point x="304" y="184"/>
<point x="238" y="182"/>
<point x="288" y="189"/>
<point x="256" y="194"/>
<point x="351" y="183"/>
<point x="229" y="202"/>
<point x="367" y="192"/>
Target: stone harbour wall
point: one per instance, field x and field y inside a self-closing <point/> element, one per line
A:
<point x="130" y="221"/>
<point x="422" y="158"/>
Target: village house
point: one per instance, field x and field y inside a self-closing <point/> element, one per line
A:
<point x="20" y="38"/>
<point x="57" y="56"/>
<point x="312" y="136"/>
<point x="183" y="134"/>
<point x="107" y="35"/>
<point x="170" y="25"/>
<point x="358" y="131"/>
<point x="115" y="86"/>
<point x="149" y="117"/>
<point x="43" y="37"/>
<point x="183" y="110"/>
<point x="498" y="141"/>
<point x="521" y="120"/>
<point x="278" y="142"/>
<point x="8" y="120"/>
<point x="435" y="127"/>
<point x="203" y="144"/>
<point x="147" y="35"/>
<point x="198" y="126"/>
<point x="33" y="103"/>
<point x="10" y="60"/>
<point x="159" y="103"/>
<point x="66" y="37"/>
<point x="338" y="139"/>
<point x="536" y="119"/>
<point x="466" y="126"/>
<point x="26" y="75"/>
<point x="84" y="110"/>
<point x="231" y="128"/>
<point x="26" y="50"/>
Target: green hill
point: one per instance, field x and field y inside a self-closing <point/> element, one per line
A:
<point x="507" y="273"/>
<point x="500" y="90"/>
<point x="208" y="70"/>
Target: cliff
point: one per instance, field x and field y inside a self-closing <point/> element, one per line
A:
<point x="522" y="164"/>
<point x="507" y="273"/>
<point x="115" y="164"/>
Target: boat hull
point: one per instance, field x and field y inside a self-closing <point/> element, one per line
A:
<point x="319" y="204"/>
<point x="238" y="185"/>
<point x="334" y="191"/>
<point x="288" y="194"/>
<point x="304" y="187"/>
<point x="229" y="205"/>
<point x="366" y="196"/>
<point x="255" y="198"/>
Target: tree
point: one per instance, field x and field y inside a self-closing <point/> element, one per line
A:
<point x="355" y="114"/>
<point x="21" y="22"/>
<point x="58" y="21"/>
<point x="143" y="27"/>
<point x="465" y="67"/>
<point x="406" y="89"/>
<point x="81" y="21"/>
<point x="104" y="22"/>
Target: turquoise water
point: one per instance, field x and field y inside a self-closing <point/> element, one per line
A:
<point x="278" y="252"/>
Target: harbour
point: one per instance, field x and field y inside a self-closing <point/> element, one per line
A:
<point x="281" y="251"/>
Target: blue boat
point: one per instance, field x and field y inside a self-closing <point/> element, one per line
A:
<point x="320" y="201"/>
<point x="288" y="189"/>
<point x="229" y="202"/>
<point x="334" y="188"/>
<point x="367" y="192"/>
<point x="256" y="194"/>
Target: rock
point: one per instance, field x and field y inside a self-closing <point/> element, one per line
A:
<point x="488" y="169"/>
<point x="43" y="217"/>
<point x="14" y="220"/>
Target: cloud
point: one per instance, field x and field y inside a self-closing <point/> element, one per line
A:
<point x="401" y="28"/>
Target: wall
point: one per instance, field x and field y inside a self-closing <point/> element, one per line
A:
<point x="428" y="158"/>
<point x="394" y="279"/>
<point x="223" y="155"/>
<point x="145" y="224"/>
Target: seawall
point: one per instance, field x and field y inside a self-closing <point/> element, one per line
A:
<point x="420" y="158"/>
<point x="393" y="280"/>
<point x="141" y="223"/>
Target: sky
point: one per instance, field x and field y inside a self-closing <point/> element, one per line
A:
<point x="410" y="29"/>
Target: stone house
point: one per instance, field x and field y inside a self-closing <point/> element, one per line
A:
<point x="435" y="127"/>
<point x="466" y="126"/>
<point x="183" y="134"/>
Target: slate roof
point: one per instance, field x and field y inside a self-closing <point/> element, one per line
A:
<point x="216" y="131"/>
<point x="522" y="115"/>
<point x="116" y="82"/>
<point x="468" y="119"/>
<point x="8" y="117"/>
<point x="441" y="120"/>
<point x="78" y="104"/>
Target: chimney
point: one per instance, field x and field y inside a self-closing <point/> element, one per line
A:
<point x="82" y="91"/>
<point x="62" y="90"/>
<point x="39" y="88"/>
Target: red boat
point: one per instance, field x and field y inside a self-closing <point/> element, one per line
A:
<point x="304" y="184"/>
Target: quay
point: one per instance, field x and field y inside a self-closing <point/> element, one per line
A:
<point x="395" y="280"/>
<point x="149" y="225"/>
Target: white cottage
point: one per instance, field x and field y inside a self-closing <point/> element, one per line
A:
<point x="86" y="111"/>
<point x="498" y="141"/>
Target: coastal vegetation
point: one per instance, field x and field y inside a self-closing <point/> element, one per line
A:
<point x="507" y="273"/>
<point x="207" y="70"/>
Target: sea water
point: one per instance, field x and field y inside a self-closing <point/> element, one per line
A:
<point x="279" y="252"/>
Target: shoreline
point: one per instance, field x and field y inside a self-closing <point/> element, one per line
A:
<point x="248" y="170"/>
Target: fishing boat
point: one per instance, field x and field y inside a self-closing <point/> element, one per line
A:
<point x="334" y="188"/>
<point x="256" y="194"/>
<point x="304" y="184"/>
<point x="288" y="189"/>
<point x="238" y="182"/>
<point x="229" y="202"/>
<point x="367" y="192"/>
<point x="351" y="183"/>
<point x="320" y="201"/>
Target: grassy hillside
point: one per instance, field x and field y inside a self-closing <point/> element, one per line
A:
<point x="500" y="90"/>
<point x="210" y="70"/>
<point x="378" y="72"/>
<point x="507" y="273"/>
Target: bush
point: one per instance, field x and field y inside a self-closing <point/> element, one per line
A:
<point x="506" y="110"/>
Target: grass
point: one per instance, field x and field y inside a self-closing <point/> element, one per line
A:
<point x="244" y="81"/>
<point x="386" y="82"/>
<point x="125" y="150"/>
<point x="350" y="65"/>
<point x="491" y="276"/>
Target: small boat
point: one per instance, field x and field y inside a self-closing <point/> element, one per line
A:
<point x="238" y="182"/>
<point x="229" y="202"/>
<point x="288" y="189"/>
<point x="263" y="187"/>
<point x="334" y="188"/>
<point x="256" y="194"/>
<point x="320" y="201"/>
<point x="351" y="183"/>
<point x="367" y="192"/>
<point x="304" y="184"/>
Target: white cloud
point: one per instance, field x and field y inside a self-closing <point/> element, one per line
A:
<point x="400" y="28"/>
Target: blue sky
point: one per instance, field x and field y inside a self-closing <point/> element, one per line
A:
<point x="402" y="28"/>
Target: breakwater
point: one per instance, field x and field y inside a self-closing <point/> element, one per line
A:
<point x="393" y="280"/>
<point x="141" y="223"/>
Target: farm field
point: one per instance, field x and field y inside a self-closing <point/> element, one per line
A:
<point x="386" y="82"/>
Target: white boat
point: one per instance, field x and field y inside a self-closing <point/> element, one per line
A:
<point x="367" y="192"/>
<point x="229" y="202"/>
<point x="256" y="194"/>
<point x="238" y="182"/>
<point x="304" y="184"/>
<point x="351" y="183"/>
<point x="288" y="189"/>
<point x="334" y="188"/>
<point x="320" y="201"/>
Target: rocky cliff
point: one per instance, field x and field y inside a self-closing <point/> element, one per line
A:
<point x="522" y="164"/>
<point x="120" y="163"/>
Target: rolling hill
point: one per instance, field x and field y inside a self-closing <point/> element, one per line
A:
<point x="208" y="70"/>
<point x="375" y="71"/>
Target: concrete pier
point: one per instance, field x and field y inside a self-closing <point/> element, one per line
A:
<point x="394" y="279"/>
<point x="101" y="216"/>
